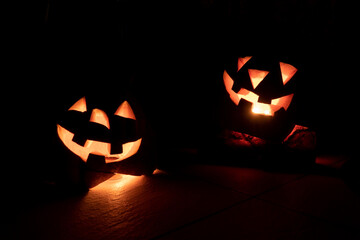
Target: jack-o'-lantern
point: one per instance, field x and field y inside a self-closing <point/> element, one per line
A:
<point x="260" y="104"/>
<point x="101" y="132"/>
<point x="95" y="136"/>
<point x="262" y="91"/>
<point x="258" y="111"/>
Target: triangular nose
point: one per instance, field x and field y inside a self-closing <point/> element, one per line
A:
<point x="256" y="76"/>
<point x="99" y="116"/>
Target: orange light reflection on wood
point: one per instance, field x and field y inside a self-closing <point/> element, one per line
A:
<point x="118" y="182"/>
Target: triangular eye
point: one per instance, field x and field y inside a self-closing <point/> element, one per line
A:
<point x="287" y="72"/>
<point x="256" y="76"/>
<point x="79" y="106"/>
<point x="99" y="116"/>
<point x="243" y="61"/>
<point x="124" y="110"/>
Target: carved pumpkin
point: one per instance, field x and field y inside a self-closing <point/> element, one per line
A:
<point x="258" y="113"/>
<point x="261" y="91"/>
<point x="96" y="136"/>
<point x="257" y="76"/>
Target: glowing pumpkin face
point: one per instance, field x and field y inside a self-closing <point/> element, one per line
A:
<point x="86" y="132"/>
<point x="260" y="92"/>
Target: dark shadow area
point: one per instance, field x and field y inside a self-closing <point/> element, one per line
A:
<point x="341" y="166"/>
<point x="350" y="174"/>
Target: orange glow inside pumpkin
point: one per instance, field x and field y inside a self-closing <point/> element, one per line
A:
<point x="99" y="116"/>
<point x="97" y="147"/>
<point x="287" y="72"/>
<point x="79" y="106"/>
<point x="124" y="110"/>
<point x="256" y="76"/>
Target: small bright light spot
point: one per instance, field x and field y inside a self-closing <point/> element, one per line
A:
<point x="159" y="172"/>
<point x="260" y="108"/>
<point x="255" y="110"/>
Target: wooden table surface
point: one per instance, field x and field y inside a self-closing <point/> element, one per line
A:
<point x="202" y="202"/>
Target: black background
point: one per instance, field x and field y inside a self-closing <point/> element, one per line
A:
<point x="171" y="54"/>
